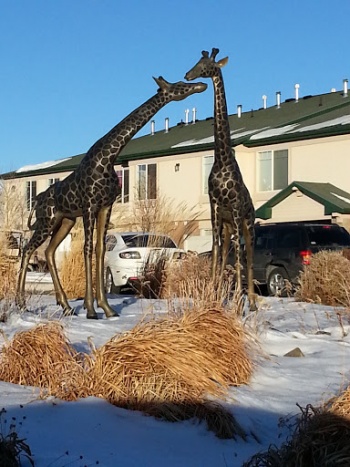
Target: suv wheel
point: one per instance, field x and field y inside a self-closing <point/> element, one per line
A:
<point x="276" y="285"/>
<point x="109" y="283"/>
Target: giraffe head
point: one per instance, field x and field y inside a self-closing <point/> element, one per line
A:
<point x="178" y="91"/>
<point x="207" y="67"/>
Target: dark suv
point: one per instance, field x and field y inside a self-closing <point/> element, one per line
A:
<point x="281" y="250"/>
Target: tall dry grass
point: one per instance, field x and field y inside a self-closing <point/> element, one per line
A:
<point x="8" y="277"/>
<point x="167" y="368"/>
<point x="326" y="280"/>
<point x="162" y="215"/>
<point x="319" y="438"/>
<point x="72" y="269"/>
<point x="44" y="358"/>
<point x="177" y="359"/>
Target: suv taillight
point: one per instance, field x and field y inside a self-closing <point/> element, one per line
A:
<point x="305" y="257"/>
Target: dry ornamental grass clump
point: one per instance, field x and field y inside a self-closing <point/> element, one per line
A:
<point x="326" y="280"/>
<point x="164" y="367"/>
<point x="177" y="359"/>
<point x="43" y="357"/>
<point x="320" y="438"/>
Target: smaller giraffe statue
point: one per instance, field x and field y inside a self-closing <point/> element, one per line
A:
<point x="232" y="210"/>
<point x="89" y="192"/>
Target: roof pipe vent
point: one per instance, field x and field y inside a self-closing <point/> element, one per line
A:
<point x="187" y="111"/>
<point x="167" y="125"/>
<point x="153" y="127"/>
<point x="264" y="98"/>
<point x="194" y="113"/>
<point x="345" y="88"/>
<point x="278" y="99"/>
<point x="296" y="87"/>
<point x="239" y="111"/>
<point x="333" y="90"/>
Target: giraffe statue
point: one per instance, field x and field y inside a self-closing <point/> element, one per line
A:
<point x="89" y="192"/>
<point x="232" y="210"/>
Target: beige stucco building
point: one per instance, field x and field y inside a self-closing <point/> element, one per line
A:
<point x="304" y="140"/>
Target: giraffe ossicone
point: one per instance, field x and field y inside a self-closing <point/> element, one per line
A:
<point x="89" y="192"/>
<point x="232" y="209"/>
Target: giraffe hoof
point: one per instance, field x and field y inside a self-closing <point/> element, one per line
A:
<point x="111" y="314"/>
<point x="91" y="316"/>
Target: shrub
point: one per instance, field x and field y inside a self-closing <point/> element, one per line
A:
<point x="326" y="280"/>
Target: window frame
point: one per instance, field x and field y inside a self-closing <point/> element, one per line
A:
<point x="31" y="192"/>
<point x="123" y="175"/>
<point x="206" y="169"/>
<point x="273" y="182"/>
<point x="149" y="188"/>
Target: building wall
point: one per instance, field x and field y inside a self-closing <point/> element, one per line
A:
<point x="319" y="160"/>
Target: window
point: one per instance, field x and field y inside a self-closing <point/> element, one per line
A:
<point x="30" y="194"/>
<point x="53" y="180"/>
<point x="147" y="181"/>
<point x="207" y="163"/>
<point x="272" y="170"/>
<point x="123" y="177"/>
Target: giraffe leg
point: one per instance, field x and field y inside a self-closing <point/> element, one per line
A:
<point x="225" y="246"/>
<point x="248" y="232"/>
<point x="38" y="238"/>
<point x="238" y="262"/>
<point x="217" y="227"/>
<point x="102" y="225"/>
<point x="89" y="223"/>
<point x="59" y="234"/>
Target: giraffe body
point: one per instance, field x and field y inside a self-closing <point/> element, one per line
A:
<point x="232" y="210"/>
<point x="89" y="192"/>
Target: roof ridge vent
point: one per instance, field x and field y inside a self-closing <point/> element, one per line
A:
<point x="345" y="88"/>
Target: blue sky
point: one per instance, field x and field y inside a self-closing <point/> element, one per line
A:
<point x="72" y="69"/>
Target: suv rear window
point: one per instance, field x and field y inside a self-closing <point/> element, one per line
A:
<point x="323" y="235"/>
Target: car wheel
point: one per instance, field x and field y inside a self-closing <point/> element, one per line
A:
<point x="276" y="282"/>
<point x="109" y="283"/>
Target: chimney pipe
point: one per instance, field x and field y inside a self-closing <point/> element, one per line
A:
<point x="296" y="87"/>
<point x="167" y="125"/>
<point x="278" y="99"/>
<point x="187" y="111"/>
<point x="264" y="98"/>
<point x="345" y="88"/>
<point x="153" y="125"/>
<point x="194" y="112"/>
<point x="239" y="111"/>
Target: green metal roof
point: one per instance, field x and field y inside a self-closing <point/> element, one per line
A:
<point x="331" y="197"/>
<point x="310" y="117"/>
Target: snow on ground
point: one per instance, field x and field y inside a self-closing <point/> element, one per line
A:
<point x="100" y="432"/>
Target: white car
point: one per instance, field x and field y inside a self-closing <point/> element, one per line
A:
<point x="127" y="254"/>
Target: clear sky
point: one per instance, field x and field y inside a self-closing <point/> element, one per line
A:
<point x="72" y="69"/>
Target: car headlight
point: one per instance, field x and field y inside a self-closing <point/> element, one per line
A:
<point x="130" y="255"/>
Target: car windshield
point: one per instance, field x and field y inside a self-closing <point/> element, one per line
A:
<point x="148" y="240"/>
<point x="327" y="235"/>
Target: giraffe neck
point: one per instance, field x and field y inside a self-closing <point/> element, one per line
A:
<point x="112" y="143"/>
<point x="222" y="134"/>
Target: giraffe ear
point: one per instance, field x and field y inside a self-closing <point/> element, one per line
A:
<point x="221" y="63"/>
<point x="162" y="83"/>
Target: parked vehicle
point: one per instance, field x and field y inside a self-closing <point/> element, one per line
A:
<point x="128" y="253"/>
<point x="283" y="249"/>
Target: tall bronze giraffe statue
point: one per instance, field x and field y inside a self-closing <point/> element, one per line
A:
<point x="89" y="192"/>
<point x="232" y="210"/>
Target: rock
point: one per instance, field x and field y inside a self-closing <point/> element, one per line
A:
<point x="294" y="353"/>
